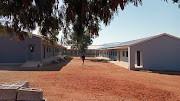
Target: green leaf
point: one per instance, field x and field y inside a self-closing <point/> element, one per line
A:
<point x="29" y="34"/>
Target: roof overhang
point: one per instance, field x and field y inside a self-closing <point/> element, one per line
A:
<point x="163" y="34"/>
<point x="129" y="45"/>
<point x="115" y="48"/>
<point x="45" y="42"/>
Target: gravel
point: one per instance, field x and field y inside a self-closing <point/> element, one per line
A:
<point x="97" y="81"/>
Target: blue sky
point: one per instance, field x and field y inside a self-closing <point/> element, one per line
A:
<point x="152" y="18"/>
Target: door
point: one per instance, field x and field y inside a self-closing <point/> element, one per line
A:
<point x="119" y="55"/>
<point x="44" y="52"/>
<point x="90" y="52"/>
<point x="138" y="58"/>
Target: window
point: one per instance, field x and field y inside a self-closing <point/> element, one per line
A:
<point x="126" y="53"/>
<point x="31" y="48"/>
<point x="123" y="53"/>
<point x="115" y="53"/>
<point x="47" y="49"/>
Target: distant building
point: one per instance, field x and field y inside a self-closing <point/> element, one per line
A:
<point x="31" y="49"/>
<point x="92" y="50"/>
<point x="160" y="52"/>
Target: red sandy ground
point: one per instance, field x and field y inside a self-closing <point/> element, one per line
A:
<point x="98" y="81"/>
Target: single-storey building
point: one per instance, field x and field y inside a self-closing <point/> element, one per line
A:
<point x="160" y="52"/>
<point x="36" y="49"/>
<point x="92" y="50"/>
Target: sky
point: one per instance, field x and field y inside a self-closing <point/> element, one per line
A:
<point x="152" y="18"/>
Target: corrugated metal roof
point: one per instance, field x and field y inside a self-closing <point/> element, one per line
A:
<point x="95" y="46"/>
<point x="89" y="47"/>
<point x="121" y="44"/>
<point x="128" y="43"/>
<point x="110" y="44"/>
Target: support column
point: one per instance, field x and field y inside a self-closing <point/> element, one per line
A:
<point x="131" y="58"/>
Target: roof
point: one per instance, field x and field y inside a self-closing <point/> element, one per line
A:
<point x="121" y="44"/>
<point x="134" y="42"/>
<point x="126" y="44"/>
<point x="94" y="47"/>
<point x="68" y="47"/>
<point x="91" y="47"/>
<point x="110" y="44"/>
<point x="46" y="42"/>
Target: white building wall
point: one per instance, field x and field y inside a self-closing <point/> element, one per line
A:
<point x="162" y="53"/>
<point x="113" y="55"/>
<point x="123" y="59"/>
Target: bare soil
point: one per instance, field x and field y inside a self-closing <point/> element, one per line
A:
<point x="96" y="81"/>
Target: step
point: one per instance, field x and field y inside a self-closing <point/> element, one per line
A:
<point x="31" y="64"/>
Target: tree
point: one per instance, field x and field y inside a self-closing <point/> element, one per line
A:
<point x="80" y="43"/>
<point x="25" y="15"/>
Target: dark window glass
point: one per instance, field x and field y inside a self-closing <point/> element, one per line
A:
<point x="123" y="53"/>
<point x="115" y="53"/>
<point x="126" y="53"/>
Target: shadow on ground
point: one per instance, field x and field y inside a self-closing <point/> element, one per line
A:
<point x="98" y="60"/>
<point x="167" y="72"/>
<point x="162" y="72"/>
<point x="51" y="67"/>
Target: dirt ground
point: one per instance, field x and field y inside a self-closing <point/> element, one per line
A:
<point x="96" y="81"/>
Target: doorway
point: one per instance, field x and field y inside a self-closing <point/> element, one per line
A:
<point x="44" y="52"/>
<point x="138" y="58"/>
<point x="119" y="55"/>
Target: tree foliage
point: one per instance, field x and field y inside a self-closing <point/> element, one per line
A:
<point x="81" y="45"/>
<point x="72" y="16"/>
<point x="26" y="15"/>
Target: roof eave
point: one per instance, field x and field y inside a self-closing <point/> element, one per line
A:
<point x="163" y="34"/>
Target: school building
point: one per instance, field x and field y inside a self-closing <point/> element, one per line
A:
<point x="33" y="51"/>
<point x="160" y="52"/>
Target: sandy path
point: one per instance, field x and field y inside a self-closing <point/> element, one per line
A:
<point x="99" y="81"/>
